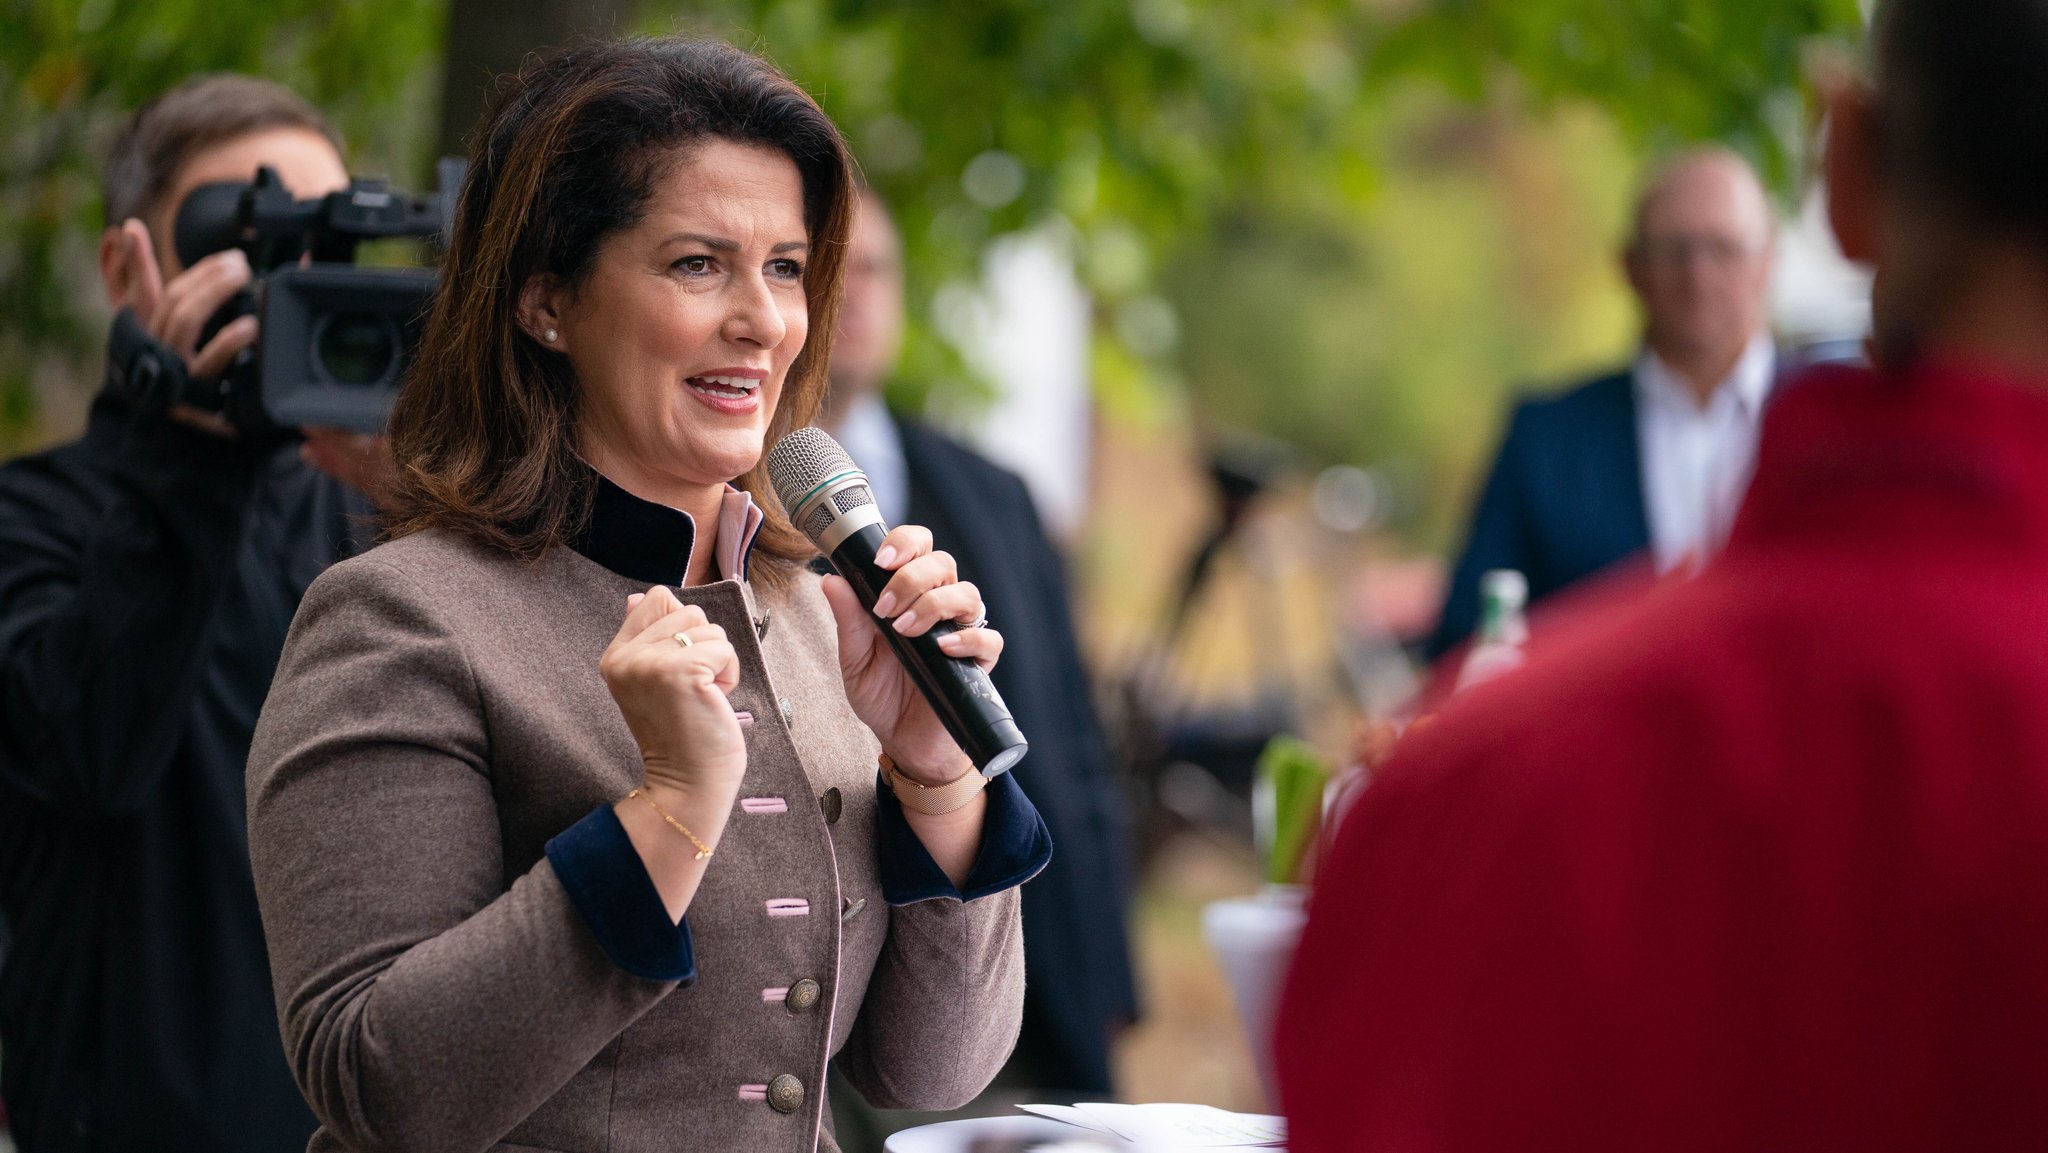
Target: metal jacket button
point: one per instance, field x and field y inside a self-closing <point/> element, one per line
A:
<point x="830" y="803"/>
<point x="850" y="908"/>
<point x="788" y="711"/>
<point x="785" y="1094"/>
<point x="803" y="996"/>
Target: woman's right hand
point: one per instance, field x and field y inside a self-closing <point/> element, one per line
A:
<point x="675" y="697"/>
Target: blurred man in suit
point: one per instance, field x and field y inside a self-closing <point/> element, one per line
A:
<point x="1756" y="862"/>
<point x="1653" y="458"/>
<point x="1080" y="990"/>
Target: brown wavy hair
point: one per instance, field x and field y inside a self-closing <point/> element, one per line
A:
<point x="484" y="430"/>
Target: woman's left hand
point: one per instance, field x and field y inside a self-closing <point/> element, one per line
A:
<point x="926" y="589"/>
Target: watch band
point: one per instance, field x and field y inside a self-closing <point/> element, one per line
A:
<point x="932" y="800"/>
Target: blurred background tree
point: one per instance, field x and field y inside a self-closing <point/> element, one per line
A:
<point x="1344" y="223"/>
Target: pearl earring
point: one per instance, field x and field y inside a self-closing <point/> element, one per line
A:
<point x="549" y="335"/>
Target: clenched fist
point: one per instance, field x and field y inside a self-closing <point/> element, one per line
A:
<point x="675" y="696"/>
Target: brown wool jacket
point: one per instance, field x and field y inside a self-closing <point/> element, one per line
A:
<point x="437" y="717"/>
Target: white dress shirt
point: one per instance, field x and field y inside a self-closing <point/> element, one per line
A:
<point x="1697" y="458"/>
<point x="868" y="434"/>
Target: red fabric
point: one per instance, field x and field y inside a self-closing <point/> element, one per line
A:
<point x="1757" y="862"/>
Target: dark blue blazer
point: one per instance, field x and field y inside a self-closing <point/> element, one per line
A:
<point x="1564" y="500"/>
<point x="1076" y="943"/>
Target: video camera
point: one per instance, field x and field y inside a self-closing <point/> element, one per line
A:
<point x="335" y="338"/>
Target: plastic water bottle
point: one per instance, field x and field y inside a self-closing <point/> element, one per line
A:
<point x="1503" y="629"/>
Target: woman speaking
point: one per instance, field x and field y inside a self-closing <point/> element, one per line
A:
<point x="565" y="810"/>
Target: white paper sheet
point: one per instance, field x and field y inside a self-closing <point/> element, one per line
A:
<point x="1170" y="1126"/>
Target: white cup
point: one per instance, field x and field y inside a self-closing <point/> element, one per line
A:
<point x="1253" y="939"/>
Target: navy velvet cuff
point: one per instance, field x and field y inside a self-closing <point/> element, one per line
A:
<point x="605" y="880"/>
<point x="1015" y="845"/>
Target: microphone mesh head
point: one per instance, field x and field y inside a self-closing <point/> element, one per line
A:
<point x="800" y="462"/>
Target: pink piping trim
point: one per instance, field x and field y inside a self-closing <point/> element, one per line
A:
<point x="788" y="907"/>
<point x="753" y="1092"/>
<point x="760" y="805"/>
<point x="739" y="518"/>
<point x="775" y="996"/>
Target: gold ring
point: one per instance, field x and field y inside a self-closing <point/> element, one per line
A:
<point x="684" y="640"/>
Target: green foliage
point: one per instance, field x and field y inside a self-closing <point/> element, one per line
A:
<point x="1281" y="215"/>
<point x="1666" y="70"/>
<point x="71" y="69"/>
<point x="1134" y="122"/>
<point x="1147" y="129"/>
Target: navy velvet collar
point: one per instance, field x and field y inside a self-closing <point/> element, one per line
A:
<point x="637" y="539"/>
<point x="651" y="543"/>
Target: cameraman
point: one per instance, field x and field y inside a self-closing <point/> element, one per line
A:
<point x="148" y="572"/>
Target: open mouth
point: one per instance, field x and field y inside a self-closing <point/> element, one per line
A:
<point x="725" y="387"/>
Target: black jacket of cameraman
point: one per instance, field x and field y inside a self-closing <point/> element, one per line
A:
<point x="148" y="572"/>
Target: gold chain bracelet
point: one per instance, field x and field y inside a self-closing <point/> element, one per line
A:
<point x="932" y="800"/>
<point x="703" y="850"/>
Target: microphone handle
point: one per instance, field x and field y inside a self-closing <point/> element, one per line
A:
<point x="959" y="691"/>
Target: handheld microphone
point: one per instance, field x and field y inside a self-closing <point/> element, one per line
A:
<point x="829" y="500"/>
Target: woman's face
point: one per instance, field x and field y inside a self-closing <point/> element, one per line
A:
<point x="685" y="328"/>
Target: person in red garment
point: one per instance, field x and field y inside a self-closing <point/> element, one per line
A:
<point x="1760" y="862"/>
